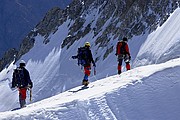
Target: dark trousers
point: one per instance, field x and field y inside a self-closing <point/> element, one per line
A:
<point x="126" y="60"/>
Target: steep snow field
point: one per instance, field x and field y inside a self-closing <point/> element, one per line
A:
<point x="163" y="44"/>
<point x="146" y="92"/>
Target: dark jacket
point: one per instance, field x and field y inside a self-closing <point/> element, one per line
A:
<point x="22" y="80"/>
<point x="84" y="56"/>
<point x="89" y="57"/>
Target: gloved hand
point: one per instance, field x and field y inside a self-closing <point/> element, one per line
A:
<point x="116" y="54"/>
<point x="74" y="57"/>
<point x="30" y="85"/>
<point x="129" y="57"/>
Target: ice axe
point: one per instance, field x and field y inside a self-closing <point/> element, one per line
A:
<point x="30" y="95"/>
<point x="94" y="70"/>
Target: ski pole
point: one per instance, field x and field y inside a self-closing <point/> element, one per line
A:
<point x="30" y="90"/>
<point x="94" y="70"/>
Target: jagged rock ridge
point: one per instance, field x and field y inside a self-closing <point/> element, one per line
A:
<point x="121" y="18"/>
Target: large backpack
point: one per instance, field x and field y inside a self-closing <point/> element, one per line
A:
<point x="19" y="78"/>
<point x="121" y="47"/>
<point x="82" y="56"/>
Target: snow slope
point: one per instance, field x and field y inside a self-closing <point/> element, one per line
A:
<point x="163" y="44"/>
<point x="144" y="93"/>
<point x="53" y="71"/>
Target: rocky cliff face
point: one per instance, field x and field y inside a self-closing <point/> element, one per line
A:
<point x="121" y="18"/>
<point x="115" y="18"/>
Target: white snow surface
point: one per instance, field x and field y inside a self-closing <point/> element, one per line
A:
<point x="148" y="92"/>
<point x="143" y="93"/>
<point x="163" y="44"/>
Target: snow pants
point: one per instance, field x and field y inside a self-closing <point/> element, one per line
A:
<point x="22" y="97"/>
<point x="87" y="72"/>
<point x="126" y="60"/>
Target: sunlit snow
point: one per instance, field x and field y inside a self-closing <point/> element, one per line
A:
<point x="148" y="92"/>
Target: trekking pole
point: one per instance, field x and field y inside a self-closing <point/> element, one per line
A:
<point x="30" y="90"/>
<point x="95" y="73"/>
<point x="94" y="70"/>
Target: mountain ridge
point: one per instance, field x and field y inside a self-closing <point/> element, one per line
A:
<point x="53" y="71"/>
<point x="141" y="16"/>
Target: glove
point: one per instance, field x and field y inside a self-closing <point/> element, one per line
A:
<point x="116" y="54"/>
<point x="129" y="57"/>
<point x="74" y="57"/>
<point x="30" y="85"/>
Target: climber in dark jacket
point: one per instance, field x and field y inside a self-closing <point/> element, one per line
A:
<point x="21" y="80"/>
<point x="85" y="59"/>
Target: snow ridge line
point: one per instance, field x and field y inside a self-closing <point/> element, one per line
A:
<point x="99" y="88"/>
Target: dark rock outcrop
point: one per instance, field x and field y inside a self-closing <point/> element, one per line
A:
<point x="115" y="18"/>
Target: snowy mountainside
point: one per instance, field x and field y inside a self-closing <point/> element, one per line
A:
<point x="143" y="93"/>
<point x="50" y="65"/>
<point x="163" y="44"/>
<point x="106" y="21"/>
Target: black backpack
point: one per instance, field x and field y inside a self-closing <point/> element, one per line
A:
<point x="82" y="56"/>
<point x="19" y="78"/>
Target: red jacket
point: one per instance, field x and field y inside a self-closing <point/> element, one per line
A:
<point x="122" y="48"/>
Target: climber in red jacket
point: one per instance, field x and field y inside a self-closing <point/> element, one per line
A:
<point x="122" y="52"/>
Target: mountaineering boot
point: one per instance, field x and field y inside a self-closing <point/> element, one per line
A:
<point x="119" y="69"/>
<point x="85" y="82"/>
<point x="22" y="103"/>
<point x="119" y="72"/>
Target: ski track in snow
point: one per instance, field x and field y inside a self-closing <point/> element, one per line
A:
<point x="62" y="105"/>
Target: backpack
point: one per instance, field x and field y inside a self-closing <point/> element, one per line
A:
<point x="82" y="56"/>
<point x="19" y="78"/>
<point x="121" y="47"/>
